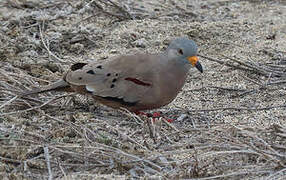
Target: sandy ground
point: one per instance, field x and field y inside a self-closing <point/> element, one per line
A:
<point x="40" y="40"/>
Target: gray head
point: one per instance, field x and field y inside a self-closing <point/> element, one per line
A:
<point x="185" y="51"/>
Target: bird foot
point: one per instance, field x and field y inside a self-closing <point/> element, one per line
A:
<point x="154" y="116"/>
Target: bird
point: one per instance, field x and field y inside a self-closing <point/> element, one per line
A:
<point x="135" y="82"/>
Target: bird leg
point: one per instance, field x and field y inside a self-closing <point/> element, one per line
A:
<point x="154" y="116"/>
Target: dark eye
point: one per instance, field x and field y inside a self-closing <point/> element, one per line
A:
<point x="180" y="51"/>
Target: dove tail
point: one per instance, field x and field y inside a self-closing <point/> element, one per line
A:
<point x="60" y="85"/>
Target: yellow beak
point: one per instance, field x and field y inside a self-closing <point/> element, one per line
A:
<point x="194" y="60"/>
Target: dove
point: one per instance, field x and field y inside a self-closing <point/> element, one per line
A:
<point x="135" y="82"/>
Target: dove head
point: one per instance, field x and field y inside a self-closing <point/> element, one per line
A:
<point x="184" y="51"/>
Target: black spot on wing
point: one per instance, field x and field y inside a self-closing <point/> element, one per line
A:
<point x="120" y="100"/>
<point x="77" y="66"/>
<point x="99" y="67"/>
<point x="112" y="86"/>
<point x="90" y="72"/>
<point x="108" y="74"/>
<point x="114" y="80"/>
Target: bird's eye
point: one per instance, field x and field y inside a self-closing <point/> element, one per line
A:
<point x="180" y="51"/>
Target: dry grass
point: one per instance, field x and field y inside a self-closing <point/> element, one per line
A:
<point x="58" y="135"/>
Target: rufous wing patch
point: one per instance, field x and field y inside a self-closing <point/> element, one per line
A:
<point x="137" y="81"/>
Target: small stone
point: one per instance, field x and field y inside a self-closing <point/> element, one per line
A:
<point x="140" y="43"/>
<point x="113" y="51"/>
<point x="182" y="117"/>
<point x="77" y="48"/>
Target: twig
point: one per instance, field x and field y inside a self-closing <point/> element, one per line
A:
<point x="244" y="93"/>
<point x="110" y="3"/>
<point x="151" y="129"/>
<point x="272" y="176"/>
<point x="125" y="136"/>
<point x="253" y="81"/>
<point x="72" y="125"/>
<point x="235" y="66"/>
<point x="180" y="9"/>
<point x="248" y="64"/>
<point x="215" y="154"/>
<point x="26" y="110"/>
<point x="238" y="109"/>
<point x="169" y="124"/>
<point x="8" y="160"/>
<point x="276" y="83"/>
<point x="238" y="173"/>
<point x="62" y="169"/>
<point x="137" y="119"/>
<point x="8" y="102"/>
<point x="47" y="157"/>
<point x="46" y="47"/>
<point x="120" y="8"/>
<point x="227" y="89"/>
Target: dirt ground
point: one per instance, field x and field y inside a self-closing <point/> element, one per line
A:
<point x="229" y="120"/>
